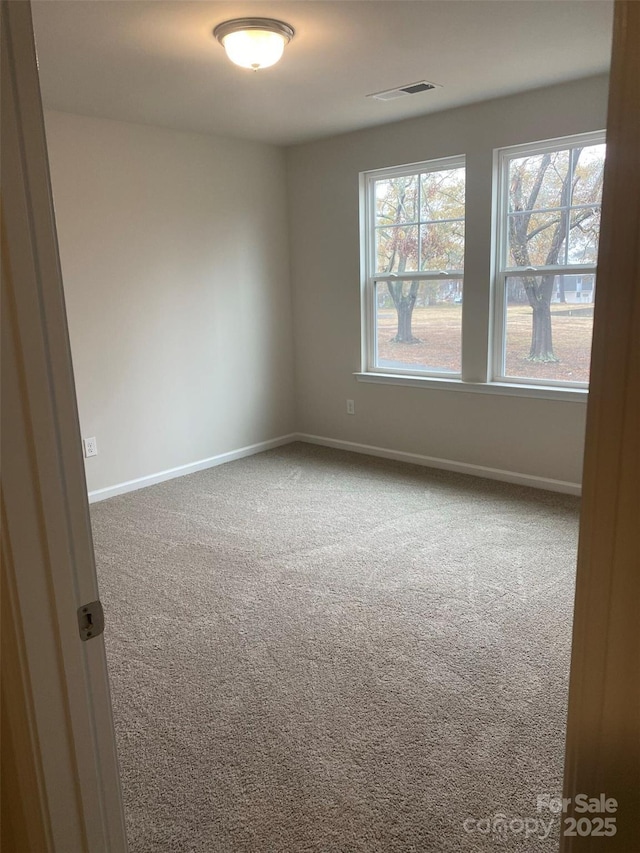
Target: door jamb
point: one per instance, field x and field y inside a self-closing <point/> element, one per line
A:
<point x="55" y="692"/>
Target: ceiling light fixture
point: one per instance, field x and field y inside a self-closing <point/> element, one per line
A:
<point x="254" y="42"/>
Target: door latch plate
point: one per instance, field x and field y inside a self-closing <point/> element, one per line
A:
<point x="90" y="620"/>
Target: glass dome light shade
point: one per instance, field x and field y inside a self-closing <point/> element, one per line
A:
<point x="254" y="42"/>
<point x="254" y="48"/>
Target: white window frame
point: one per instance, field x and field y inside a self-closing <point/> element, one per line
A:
<point x="371" y="278"/>
<point x="503" y="271"/>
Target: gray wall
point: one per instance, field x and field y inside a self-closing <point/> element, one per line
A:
<point x="175" y="262"/>
<point x="530" y="436"/>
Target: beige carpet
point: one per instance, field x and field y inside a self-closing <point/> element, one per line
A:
<point x="312" y="650"/>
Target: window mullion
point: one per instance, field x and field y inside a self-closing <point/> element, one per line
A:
<point x="556" y="269"/>
<point x="419" y="275"/>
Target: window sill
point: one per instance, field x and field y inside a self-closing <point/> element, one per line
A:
<point x="541" y="392"/>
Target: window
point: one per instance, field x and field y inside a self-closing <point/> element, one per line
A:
<point x="414" y="245"/>
<point x="548" y="222"/>
<point x="536" y="339"/>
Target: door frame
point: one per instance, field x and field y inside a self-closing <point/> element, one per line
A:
<point x="603" y="724"/>
<point x="57" y="718"/>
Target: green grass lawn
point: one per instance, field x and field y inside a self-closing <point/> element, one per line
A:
<point x="439" y="329"/>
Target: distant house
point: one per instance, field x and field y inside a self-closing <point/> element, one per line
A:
<point x="574" y="289"/>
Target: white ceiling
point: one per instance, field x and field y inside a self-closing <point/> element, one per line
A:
<point x="156" y="62"/>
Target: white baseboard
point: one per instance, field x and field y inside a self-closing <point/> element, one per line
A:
<point x="447" y="465"/>
<point x="354" y="447"/>
<point x="190" y="468"/>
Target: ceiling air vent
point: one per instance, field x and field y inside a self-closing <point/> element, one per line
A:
<point x="402" y="91"/>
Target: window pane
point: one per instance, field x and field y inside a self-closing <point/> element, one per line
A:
<point x="397" y="249"/>
<point x="442" y="194"/>
<point x="587" y="182"/>
<point x="536" y="239"/>
<point x="554" y="341"/>
<point x="583" y="235"/>
<point x="536" y="182"/>
<point x="396" y="200"/>
<point x="419" y="325"/>
<point x="442" y="246"/>
<point x="570" y="181"/>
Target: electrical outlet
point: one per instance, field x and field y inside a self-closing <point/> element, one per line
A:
<point x="90" y="447"/>
<point x="351" y="407"/>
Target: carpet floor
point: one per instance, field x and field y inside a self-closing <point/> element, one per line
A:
<point x="313" y="651"/>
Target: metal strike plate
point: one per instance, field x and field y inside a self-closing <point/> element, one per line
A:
<point x="90" y="620"/>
